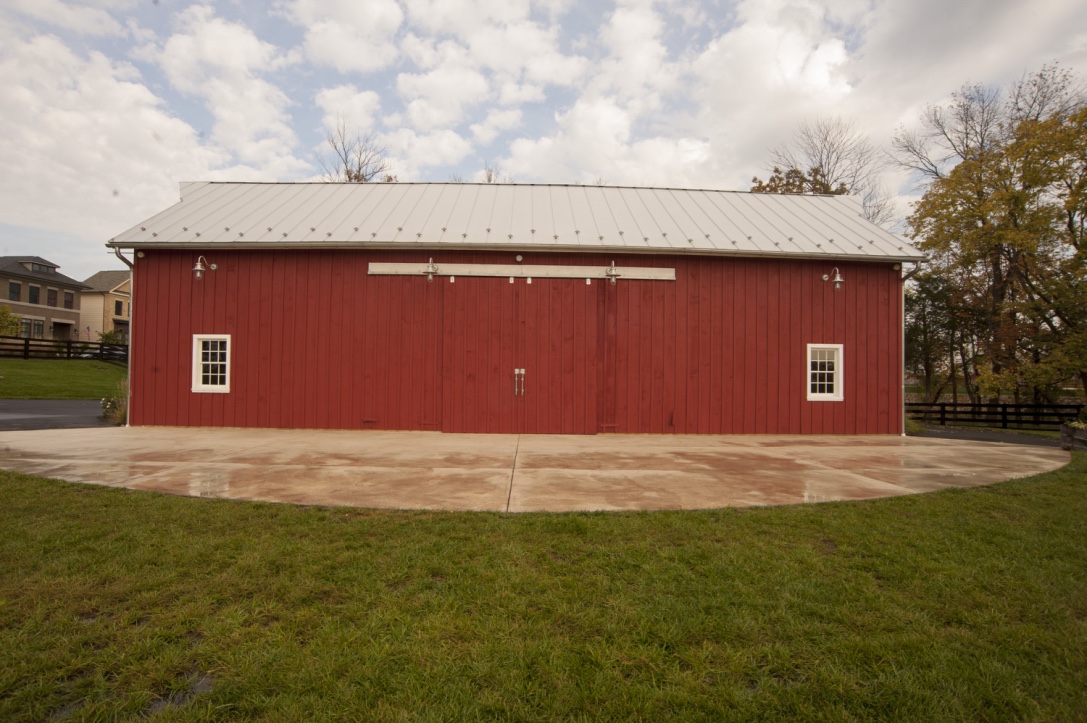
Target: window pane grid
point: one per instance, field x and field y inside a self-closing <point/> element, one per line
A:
<point x="211" y="364"/>
<point x="823" y="371"/>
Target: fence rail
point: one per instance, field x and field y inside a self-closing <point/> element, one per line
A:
<point x="17" y="347"/>
<point x="1006" y="416"/>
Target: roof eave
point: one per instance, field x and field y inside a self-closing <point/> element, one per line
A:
<point x="519" y="248"/>
<point x="30" y="276"/>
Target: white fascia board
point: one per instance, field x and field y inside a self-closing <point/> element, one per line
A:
<point x="523" y="271"/>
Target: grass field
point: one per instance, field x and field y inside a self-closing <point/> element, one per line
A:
<point x="965" y="604"/>
<point x="58" y="378"/>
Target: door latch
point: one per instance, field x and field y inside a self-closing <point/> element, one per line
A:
<point x="518" y="382"/>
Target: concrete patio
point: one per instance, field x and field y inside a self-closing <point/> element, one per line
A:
<point x="514" y="473"/>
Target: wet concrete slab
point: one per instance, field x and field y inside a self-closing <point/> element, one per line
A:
<point x="514" y="473"/>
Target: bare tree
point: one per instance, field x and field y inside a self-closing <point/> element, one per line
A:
<point x="829" y="155"/>
<point x="356" y="158"/>
<point x="979" y="118"/>
<point x="970" y="123"/>
<point x="493" y="174"/>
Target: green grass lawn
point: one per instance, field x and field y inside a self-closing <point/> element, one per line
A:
<point x="958" y="605"/>
<point x="59" y="378"/>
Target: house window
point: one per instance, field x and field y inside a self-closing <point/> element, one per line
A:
<point x="118" y="308"/>
<point x="51" y="297"/>
<point x="31" y="328"/>
<point x="211" y="363"/>
<point x="825" y="373"/>
<point x="69" y="300"/>
<point x="35" y="295"/>
<point x="15" y="291"/>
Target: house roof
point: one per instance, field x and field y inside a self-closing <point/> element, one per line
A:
<point x="106" y="281"/>
<point x="13" y="266"/>
<point x="516" y="217"/>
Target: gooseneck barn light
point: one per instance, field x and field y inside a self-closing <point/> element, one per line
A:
<point x="837" y="279"/>
<point x="198" y="270"/>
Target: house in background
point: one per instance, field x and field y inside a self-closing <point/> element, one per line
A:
<point x="106" y="305"/>
<point x="516" y="308"/>
<point x="47" y="300"/>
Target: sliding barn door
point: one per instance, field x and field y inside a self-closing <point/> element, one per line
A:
<point x="521" y="357"/>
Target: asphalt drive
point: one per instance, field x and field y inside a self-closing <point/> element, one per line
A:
<point x="989" y="435"/>
<point x="26" y="414"/>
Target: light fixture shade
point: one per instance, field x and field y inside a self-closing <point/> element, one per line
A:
<point x="838" y="280"/>
<point x="199" y="268"/>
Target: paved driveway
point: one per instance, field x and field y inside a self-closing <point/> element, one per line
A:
<point x="50" y="413"/>
<point x="515" y="473"/>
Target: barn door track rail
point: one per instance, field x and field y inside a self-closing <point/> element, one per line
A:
<point x="518" y="271"/>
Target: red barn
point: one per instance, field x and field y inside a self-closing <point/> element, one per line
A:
<point x="515" y="308"/>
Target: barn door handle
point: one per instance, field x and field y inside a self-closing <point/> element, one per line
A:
<point x="518" y="376"/>
<point x="522" y="382"/>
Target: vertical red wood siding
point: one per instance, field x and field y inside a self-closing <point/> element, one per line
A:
<point x="317" y="342"/>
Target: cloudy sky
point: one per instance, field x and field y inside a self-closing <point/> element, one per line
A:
<point x="108" y="104"/>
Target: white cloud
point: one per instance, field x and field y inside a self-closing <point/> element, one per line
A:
<point x="439" y="96"/>
<point x="349" y="35"/>
<point x="524" y="47"/>
<point x="411" y="152"/>
<point x="459" y="18"/>
<point x="77" y="17"/>
<point x="496" y="122"/>
<point x="594" y="140"/>
<point x="357" y="108"/>
<point x="88" y="150"/>
<point x="511" y="93"/>
<point x="637" y="68"/>
<point x="781" y="63"/>
<point x="476" y="48"/>
<point x="220" y="62"/>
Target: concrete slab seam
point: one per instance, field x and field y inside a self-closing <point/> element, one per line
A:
<point x="513" y="471"/>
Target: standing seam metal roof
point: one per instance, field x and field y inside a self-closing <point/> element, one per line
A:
<point x="516" y="217"/>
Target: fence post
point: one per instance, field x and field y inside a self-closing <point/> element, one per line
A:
<point x="1004" y="416"/>
<point x="943" y="414"/>
<point x="26" y="348"/>
<point x="68" y="349"/>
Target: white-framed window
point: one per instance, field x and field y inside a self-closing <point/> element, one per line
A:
<point x="824" y="378"/>
<point x="211" y="363"/>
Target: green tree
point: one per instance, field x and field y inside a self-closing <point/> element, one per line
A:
<point x="1003" y="217"/>
<point x="113" y="336"/>
<point x="9" y="322"/>
<point x="795" y="180"/>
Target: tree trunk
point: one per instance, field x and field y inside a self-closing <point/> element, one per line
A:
<point x="998" y="353"/>
<point x="954" y="373"/>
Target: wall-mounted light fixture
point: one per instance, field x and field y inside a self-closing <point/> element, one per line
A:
<point x="612" y="273"/>
<point x="837" y="278"/>
<point x="430" y="270"/>
<point x="198" y="270"/>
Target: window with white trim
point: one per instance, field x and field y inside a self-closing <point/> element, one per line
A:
<point x="211" y="363"/>
<point x="825" y="373"/>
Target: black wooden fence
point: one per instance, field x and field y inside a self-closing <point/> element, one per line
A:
<point x="1005" y="416"/>
<point x="17" y="347"/>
